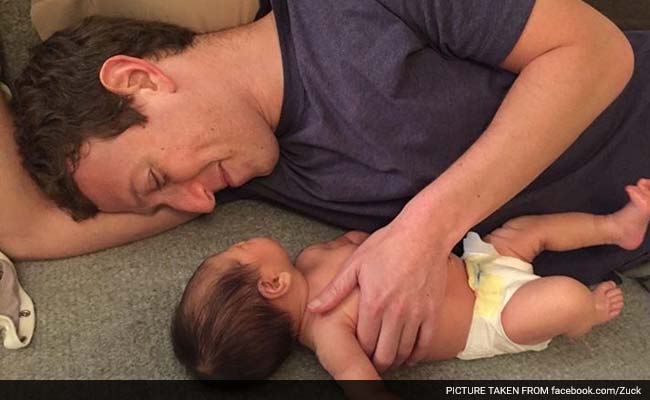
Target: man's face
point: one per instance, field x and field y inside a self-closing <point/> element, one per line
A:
<point x="179" y="158"/>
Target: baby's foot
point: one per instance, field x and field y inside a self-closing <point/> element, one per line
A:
<point x="608" y="300"/>
<point x="632" y="220"/>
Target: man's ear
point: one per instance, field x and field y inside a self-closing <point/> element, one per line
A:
<point x="126" y="76"/>
<point x="274" y="286"/>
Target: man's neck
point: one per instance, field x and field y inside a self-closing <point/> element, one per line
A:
<point x="249" y="59"/>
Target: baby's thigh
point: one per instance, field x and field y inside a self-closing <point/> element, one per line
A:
<point x="544" y="308"/>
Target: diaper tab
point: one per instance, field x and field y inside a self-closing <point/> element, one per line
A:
<point x="475" y="253"/>
<point x="473" y="244"/>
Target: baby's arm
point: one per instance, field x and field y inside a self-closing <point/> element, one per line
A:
<point x="356" y="237"/>
<point x="340" y="353"/>
<point x="526" y="237"/>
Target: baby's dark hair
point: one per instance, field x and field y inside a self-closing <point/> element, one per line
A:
<point x="224" y="329"/>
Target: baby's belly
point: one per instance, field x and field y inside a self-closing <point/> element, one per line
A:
<point x="454" y="321"/>
<point x="455" y="316"/>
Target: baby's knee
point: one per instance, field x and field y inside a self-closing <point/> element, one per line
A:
<point x="575" y="295"/>
<point x="577" y="305"/>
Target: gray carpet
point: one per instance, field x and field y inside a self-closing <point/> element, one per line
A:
<point x="16" y="33"/>
<point x="107" y="315"/>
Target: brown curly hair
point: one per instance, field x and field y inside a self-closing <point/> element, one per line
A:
<point x="60" y="103"/>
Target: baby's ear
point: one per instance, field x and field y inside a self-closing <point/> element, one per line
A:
<point x="275" y="286"/>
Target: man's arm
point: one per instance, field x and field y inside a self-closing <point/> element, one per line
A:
<point x="32" y="227"/>
<point x="572" y="63"/>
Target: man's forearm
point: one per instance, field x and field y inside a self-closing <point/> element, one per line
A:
<point x="53" y="234"/>
<point x="556" y="96"/>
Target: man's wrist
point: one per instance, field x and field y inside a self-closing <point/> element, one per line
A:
<point x="437" y="226"/>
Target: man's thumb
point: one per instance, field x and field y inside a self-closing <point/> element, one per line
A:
<point x="337" y="290"/>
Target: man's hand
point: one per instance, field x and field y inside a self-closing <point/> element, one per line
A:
<point x="402" y="280"/>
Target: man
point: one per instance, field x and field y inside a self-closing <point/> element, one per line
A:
<point x="420" y="117"/>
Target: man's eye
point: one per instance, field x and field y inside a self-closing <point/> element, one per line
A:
<point x="157" y="181"/>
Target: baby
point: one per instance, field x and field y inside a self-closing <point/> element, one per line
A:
<point x="243" y="307"/>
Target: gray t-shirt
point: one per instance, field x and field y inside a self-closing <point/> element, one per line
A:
<point x="381" y="96"/>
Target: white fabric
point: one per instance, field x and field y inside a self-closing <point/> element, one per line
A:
<point x="21" y="336"/>
<point x="5" y="92"/>
<point x="494" y="279"/>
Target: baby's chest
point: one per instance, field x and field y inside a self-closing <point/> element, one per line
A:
<point x="345" y="314"/>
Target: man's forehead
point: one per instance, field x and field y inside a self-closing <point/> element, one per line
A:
<point x="107" y="172"/>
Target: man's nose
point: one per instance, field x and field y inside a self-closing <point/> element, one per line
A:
<point x="191" y="197"/>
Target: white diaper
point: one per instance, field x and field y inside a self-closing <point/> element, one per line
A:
<point x="494" y="279"/>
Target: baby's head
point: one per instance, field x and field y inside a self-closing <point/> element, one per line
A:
<point x="240" y="312"/>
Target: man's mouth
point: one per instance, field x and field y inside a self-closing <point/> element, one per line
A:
<point x="226" y="177"/>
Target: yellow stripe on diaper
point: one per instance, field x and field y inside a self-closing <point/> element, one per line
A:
<point x="489" y="296"/>
<point x="488" y="288"/>
<point x="473" y="269"/>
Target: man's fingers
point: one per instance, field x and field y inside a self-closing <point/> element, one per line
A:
<point x="424" y="342"/>
<point x="388" y="342"/>
<point x="368" y="324"/>
<point x="407" y="343"/>
<point x="337" y="290"/>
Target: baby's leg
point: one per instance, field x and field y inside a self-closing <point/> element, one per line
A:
<point x="558" y="305"/>
<point x="525" y="237"/>
<point x="630" y="223"/>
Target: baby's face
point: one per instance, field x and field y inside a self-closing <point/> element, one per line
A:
<point x="262" y="253"/>
<point x="330" y="254"/>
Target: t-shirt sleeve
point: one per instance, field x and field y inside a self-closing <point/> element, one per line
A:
<point x="481" y="30"/>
